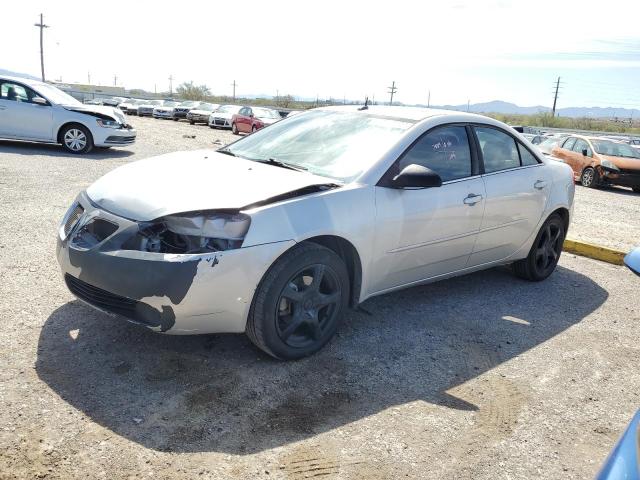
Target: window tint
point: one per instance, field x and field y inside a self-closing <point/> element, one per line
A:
<point x="582" y="145"/>
<point x="444" y="150"/>
<point x="568" y="143"/>
<point x="15" y="92"/>
<point x="499" y="150"/>
<point x="526" y="157"/>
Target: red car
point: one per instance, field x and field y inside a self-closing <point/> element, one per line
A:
<point x="250" y="119"/>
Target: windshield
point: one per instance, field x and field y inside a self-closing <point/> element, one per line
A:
<point x="55" y="95"/>
<point x="188" y="104"/>
<point x="228" y="109"/>
<point x="607" y="147"/>
<point x="171" y="104"/>
<point x="339" y="145"/>
<point x="547" y="145"/>
<point x="265" y="113"/>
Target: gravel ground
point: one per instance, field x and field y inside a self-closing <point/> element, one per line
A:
<point x="609" y="217"/>
<point x="481" y="377"/>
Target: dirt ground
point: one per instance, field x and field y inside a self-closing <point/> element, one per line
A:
<point x="479" y="377"/>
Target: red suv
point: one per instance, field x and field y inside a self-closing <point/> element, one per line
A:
<point x="250" y="119"/>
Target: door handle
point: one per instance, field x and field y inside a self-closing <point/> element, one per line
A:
<point x="472" y="199"/>
<point x="540" y="184"/>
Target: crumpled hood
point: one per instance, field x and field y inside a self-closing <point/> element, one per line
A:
<point x="99" y="109"/>
<point x="191" y="181"/>
<point x="624" y="162"/>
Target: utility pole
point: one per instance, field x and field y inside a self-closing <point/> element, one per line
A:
<point x="555" y="98"/>
<point x="392" y="90"/>
<point x="41" y="26"/>
<point x="468" y="101"/>
<point x="115" y="80"/>
<point x="234" y="84"/>
<point x="170" y="85"/>
<point x="429" y="99"/>
<point x="89" y="78"/>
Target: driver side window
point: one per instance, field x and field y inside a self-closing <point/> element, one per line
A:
<point x="445" y="150"/>
<point x="15" y="92"/>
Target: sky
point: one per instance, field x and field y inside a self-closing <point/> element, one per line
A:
<point x="457" y="50"/>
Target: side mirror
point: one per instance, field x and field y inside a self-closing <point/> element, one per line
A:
<point x="39" y="101"/>
<point x="416" y="176"/>
<point x="585" y="152"/>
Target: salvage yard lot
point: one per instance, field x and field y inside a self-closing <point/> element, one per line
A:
<point x="483" y="376"/>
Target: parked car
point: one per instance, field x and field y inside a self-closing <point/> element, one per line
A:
<point x="201" y="114"/>
<point x="260" y="236"/>
<point x="221" y="117"/>
<point x="146" y="109"/>
<point x="596" y="161"/>
<point x="250" y="119"/>
<point x="130" y="107"/>
<point x="37" y="111"/>
<point x="129" y="103"/>
<point x="165" y="110"/>
<point x="185" y="107"/>
<point x="93" y="101"/>
<point x="113" y="101"/>
<point x="634" y="142"/>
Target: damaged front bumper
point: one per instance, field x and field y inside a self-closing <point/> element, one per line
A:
<point x="172" y="293"/>
<point x="622" y="177"/>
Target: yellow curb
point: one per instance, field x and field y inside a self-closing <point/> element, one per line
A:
<point x="596" y="252"/>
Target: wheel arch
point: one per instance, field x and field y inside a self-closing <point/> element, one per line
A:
<point x="564" y="214"/>
<point x="69" y="124"/>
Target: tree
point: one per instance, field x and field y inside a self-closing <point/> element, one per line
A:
<point x="189" y="91"/>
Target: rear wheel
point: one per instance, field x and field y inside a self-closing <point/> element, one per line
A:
<point x="589" y="178"/>
<point x="234" y="129"/>
<point x="76" y="139"/>
<point x="299" y="303"/>
<point x="545" y="251"/>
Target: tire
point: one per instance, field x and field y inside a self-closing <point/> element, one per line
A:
<point x="234" y="129"/>
<point x="191" y="122"/>
<point x="76" y="138"/>
<point x="545" y="251"/>
<point x="176" y="119"/>
<point x="589" y="178"/>
<point x="292" y="315"/>
<point x="254" y="129"/>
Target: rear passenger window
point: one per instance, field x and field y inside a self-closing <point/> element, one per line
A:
<point x="444" y="150"/>
<point x="568" y="143"/>
<point x="499" y="150"/>
<point x="526" y="157"/>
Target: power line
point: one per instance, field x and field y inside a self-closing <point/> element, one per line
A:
<point x="392" y="90"/>
<point x="41" y="26"/>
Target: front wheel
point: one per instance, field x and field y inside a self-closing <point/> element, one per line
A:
<point x="299" y="303"/>
<point x="545" y="251"/>
<point x="234" y="129"/>
<point x="77" y="139"/>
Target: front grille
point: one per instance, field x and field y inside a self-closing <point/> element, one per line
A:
<point x="219" y="121"/>
<point x="120" y="139"/>
<point x="73" y="219"/>
<point x="101" y="298"/>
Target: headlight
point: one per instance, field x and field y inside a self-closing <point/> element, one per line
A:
<point x="609" y="165"/>
<point x="195" y="233"/>
<point x="108" y="123"/>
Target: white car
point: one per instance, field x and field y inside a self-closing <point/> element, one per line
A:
<point x="146" y="109"/>
<point x="37" y="111"/>
<point x="130" y="106"/>
<point x="165" y="110"/>
<point x="201" y="114"/>
<point x="221" y="117"/>
<point x="279" y="232"/>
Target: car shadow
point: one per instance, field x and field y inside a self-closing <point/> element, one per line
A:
<point x="16" y="147"/>
<point x="219" y="393"/>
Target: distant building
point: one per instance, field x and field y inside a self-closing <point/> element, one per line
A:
<point x="84" y="92"/>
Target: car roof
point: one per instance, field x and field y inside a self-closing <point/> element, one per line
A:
<point x="415" y="114"/>
<point x="26" y="81"/>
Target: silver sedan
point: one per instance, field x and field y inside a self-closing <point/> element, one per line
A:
<point x="277" y="234"/>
